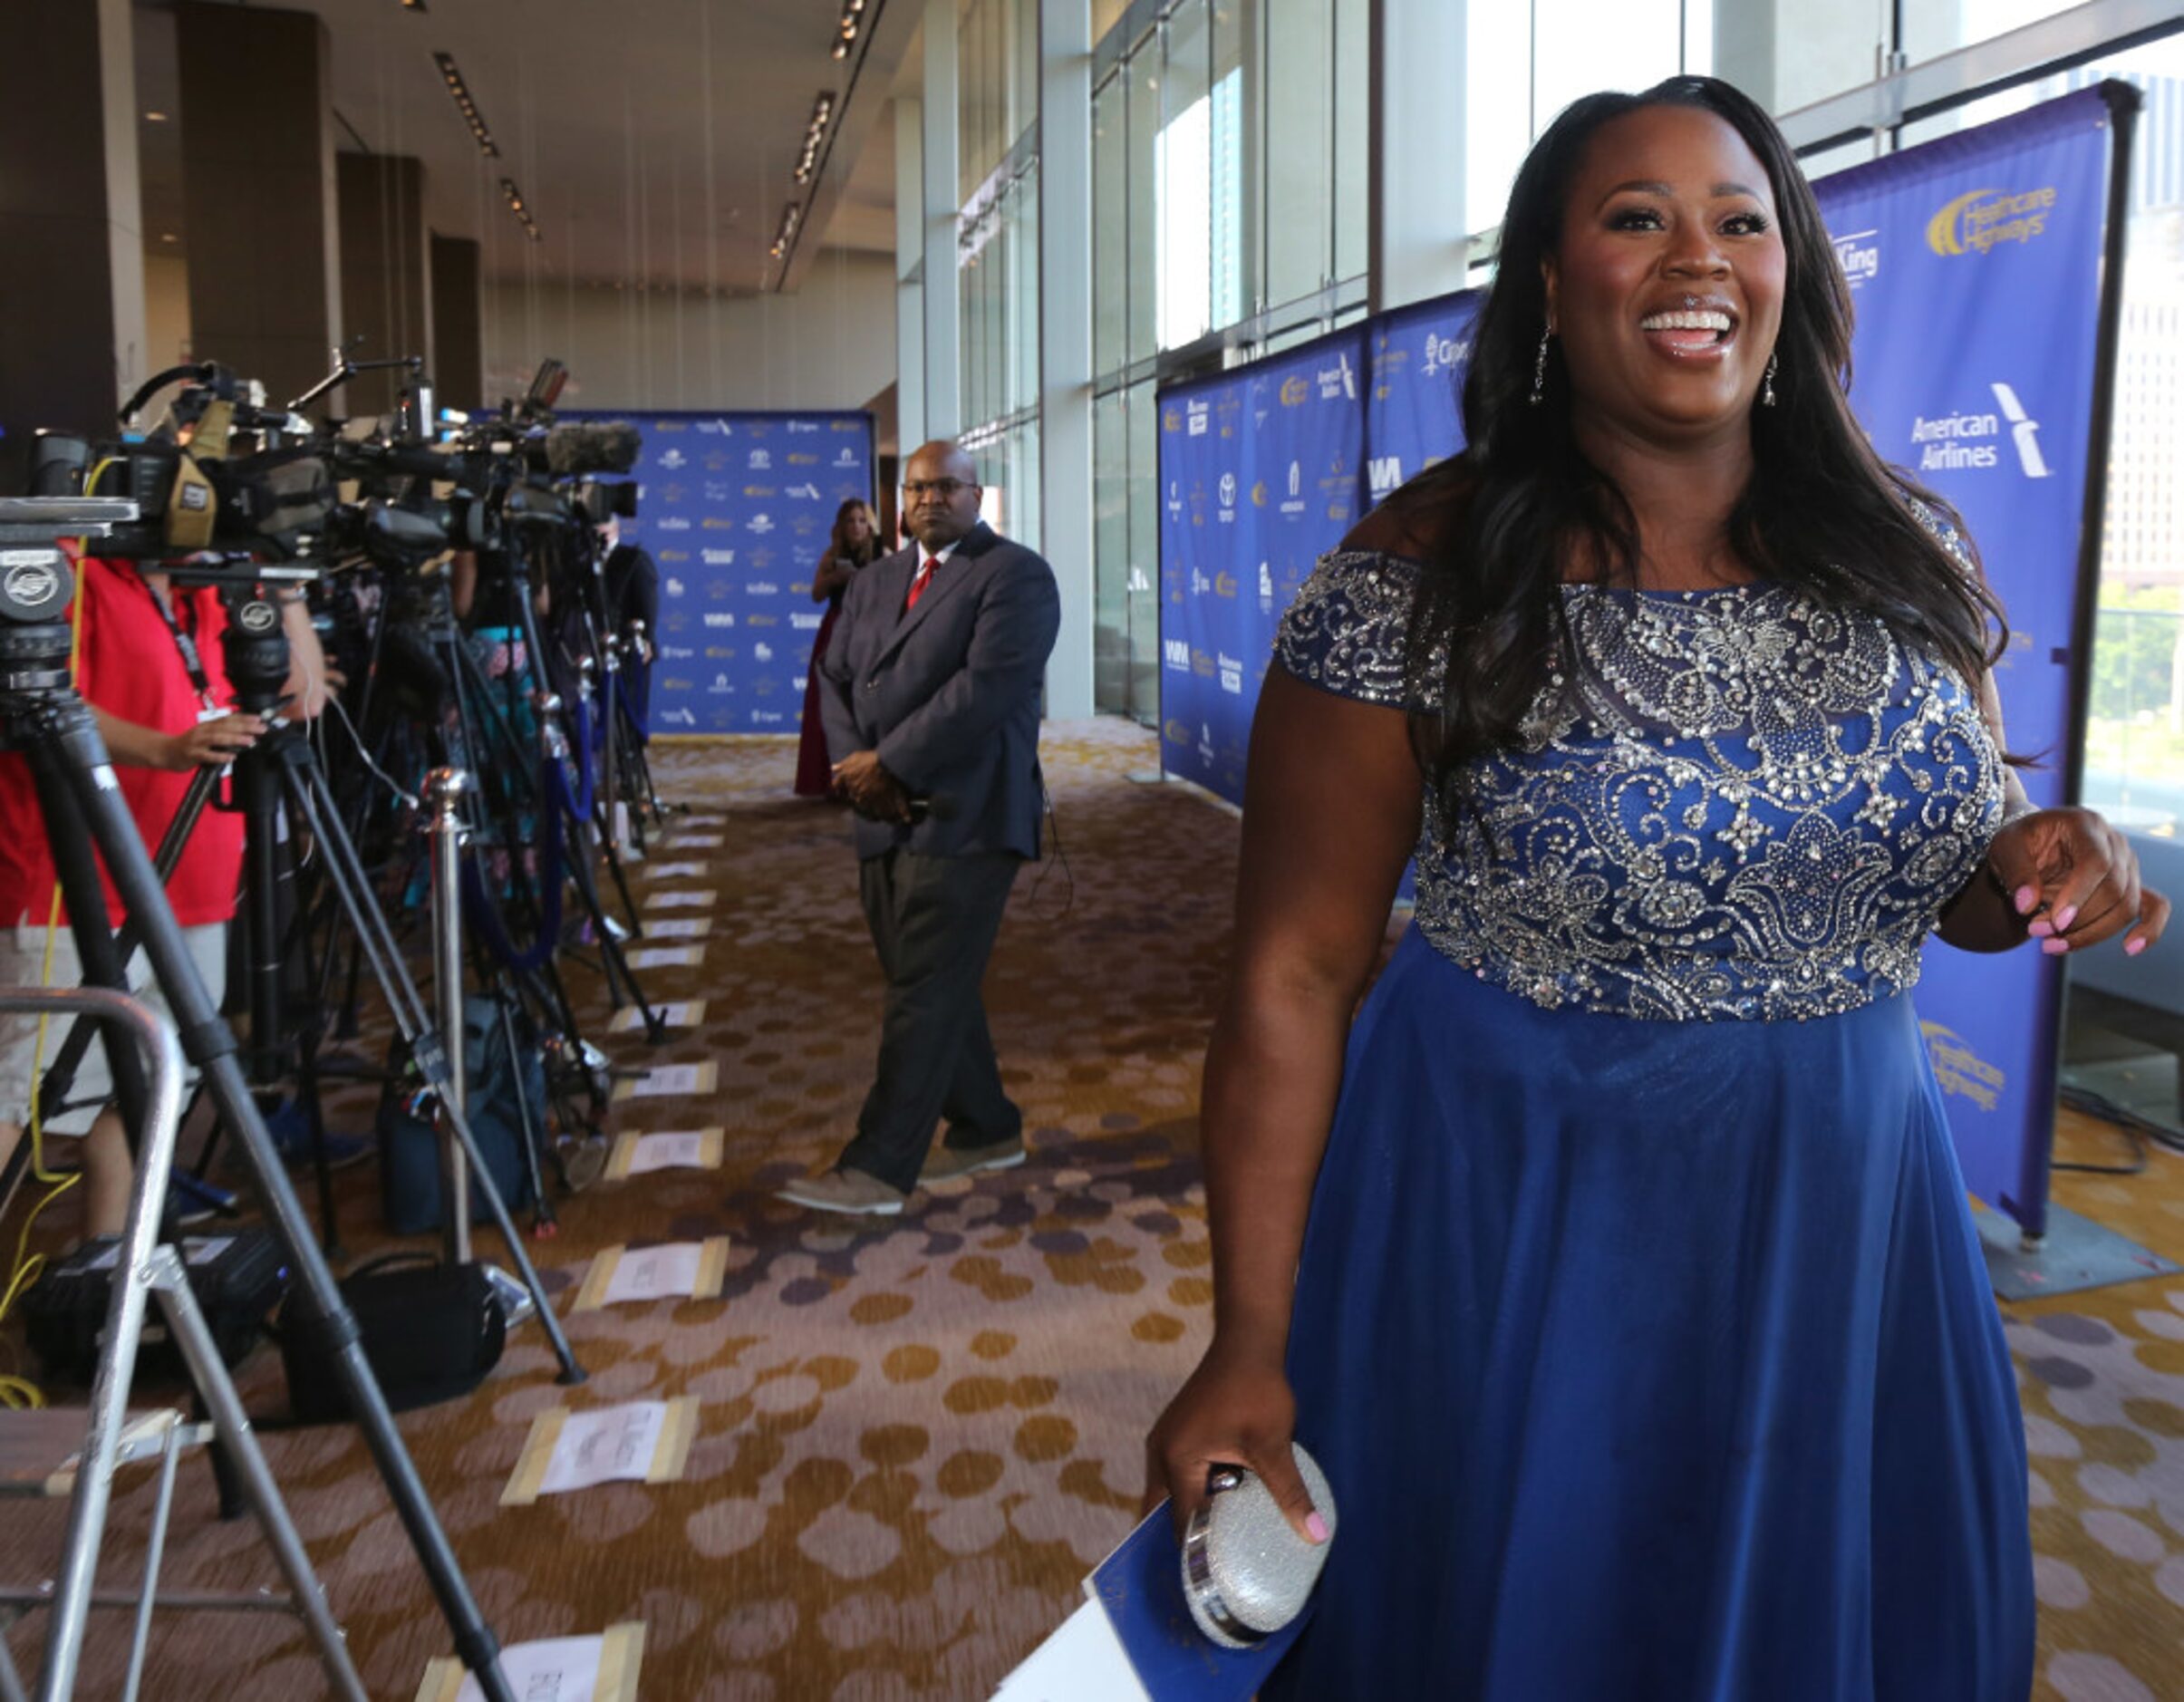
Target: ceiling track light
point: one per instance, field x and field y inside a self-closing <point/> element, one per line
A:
<point x="513" y="196"/>
<point x="815" y="135"/>
<point x="792" y="216"/>
<point x="459" y="93"/>
<point x="845" y="33"/>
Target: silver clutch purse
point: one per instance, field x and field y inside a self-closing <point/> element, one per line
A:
<point x="1245" y="1572"/>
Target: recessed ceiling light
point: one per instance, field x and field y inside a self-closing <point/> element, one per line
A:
<point x="154" y="118"/>
<point x="168" y="236"/>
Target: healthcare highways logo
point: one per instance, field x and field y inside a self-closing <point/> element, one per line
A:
<point x="1984" y="219"/>
<point x="1961" y="1070"/>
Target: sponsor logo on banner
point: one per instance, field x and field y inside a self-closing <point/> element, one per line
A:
<point x="803" y="493"/>
<point x="762" y="589"/>
<point x="1444" y="354"/>
<point x="669" y="682"/>
<point x="767" y="718"/>
<point x="1258" y="493"/>
<point x="678" y="718"/>
<point x="720" y="652"/>
<point x="1205" y="743"/>
<point x="677" y="652"/>
<point x="1294" y="503"/>
<point x="1961" y="1070"/>
<point x="721" y="687"/>
<point x="1384" y="472"/>
<point x="847" y="458"/>
<point x="806" y="623"/>
<point x="1228" y="491"/>
<point x="760" y="524"/>
<point x="674" y="554"/>
<point x="718" y="558"/>
<point x="760" y="492"/>
<point x="763" y="652"/>
<point x="716" y="523"/>
<point x="1175" y="655"/>
<point x="1171" y="419"/>
<point x="1175" y="732"/>
<point x="674" y="458"/>
<point x="669" y="425"/>
<point x="796" y="426"/>
<point x="672" y="522"/>
<point x="1224" y="585"/>
<point x="719" y="428"/>
<point x="1232" y="673"/>
<point x="714" y="618"/>
<point x="1202" y="664"/>
<point x="1200" y="584"/>
<point x="761" y="461"/>
<point x="1294" y="389"/>
<point x="718" y="490"/>
<point x="674" y="587"/>
<point x="797" y="458"/>
<point x="845" y="425"/>
<point x="673" y="623"/>
<point x="1983" y="220"/>
<point x="1859" y="254"/>
<point x="1266" y="589"/>
<point x="1965" y="442"/>
<point x="1338" y="382"/>
<point x="672" y="491"/>
<point x="716" y="462"/>
<point x="1198" y="416"/>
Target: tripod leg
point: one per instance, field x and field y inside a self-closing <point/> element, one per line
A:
<point x="61" y="727"/>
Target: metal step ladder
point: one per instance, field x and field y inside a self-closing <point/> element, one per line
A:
<point x="74" y="1452"/>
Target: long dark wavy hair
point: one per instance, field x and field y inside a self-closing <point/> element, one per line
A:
<point x="1822" y="514"/>
<point x="838" y="544"/>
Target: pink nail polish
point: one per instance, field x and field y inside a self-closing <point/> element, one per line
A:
<point x="1317" y="1527"/>
<point x="2039" y="928"/>
<point x="2131" y="948"/>
<point x="2064" y="918"/>
<point x="2027" y="896"/>
<point x="2055" y="948"/>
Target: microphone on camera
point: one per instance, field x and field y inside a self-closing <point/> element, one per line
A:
<point x="587" y="446"/>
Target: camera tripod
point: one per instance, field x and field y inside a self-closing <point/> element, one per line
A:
<point x="42" y="716"/>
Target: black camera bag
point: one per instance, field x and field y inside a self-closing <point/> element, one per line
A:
<point x="236" y="1278"/>
<point x="431" y="1331"/>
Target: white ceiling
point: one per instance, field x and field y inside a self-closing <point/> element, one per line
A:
<point x="654" y="141"/>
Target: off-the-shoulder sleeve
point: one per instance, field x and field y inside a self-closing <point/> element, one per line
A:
<point x="1348" y="630"/>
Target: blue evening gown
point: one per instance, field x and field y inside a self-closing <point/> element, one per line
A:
<point x="1641" y="1327"/>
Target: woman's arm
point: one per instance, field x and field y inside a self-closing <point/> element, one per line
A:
<point x="1331" y="811"/>
<point x="831" y="576"/>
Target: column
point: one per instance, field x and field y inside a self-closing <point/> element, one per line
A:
<point x="940" y="202"/>
<point x="1065" y="341"/>
<point x="1416" y="221"/>
<point x="386" y="301"/>
<point x="258" y="191"/>
<point x="909" y="274"/>
<point x="72" y="294"/>
<point x="1744" y="47"/>
<point x="458" y="362"/>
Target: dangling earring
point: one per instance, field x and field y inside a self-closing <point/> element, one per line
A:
<point x="1539" y="370"/>
<point x="1767" y="396"/>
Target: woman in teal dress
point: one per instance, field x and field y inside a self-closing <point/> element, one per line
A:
<point x="1614" y="1261"/>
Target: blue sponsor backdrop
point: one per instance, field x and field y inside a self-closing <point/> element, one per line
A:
<point x="736" y="510"/>
<point x="1976" y="265"/>
<point x="1261" y="470"/>
<point x="1413" y="416"/>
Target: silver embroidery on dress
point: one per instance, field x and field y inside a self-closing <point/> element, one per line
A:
<point x="1746" y="805"/>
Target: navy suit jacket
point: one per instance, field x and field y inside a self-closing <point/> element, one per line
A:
<point x="948" y="694"/>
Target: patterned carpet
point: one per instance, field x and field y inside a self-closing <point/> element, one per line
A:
<point x="914" y="1439"/>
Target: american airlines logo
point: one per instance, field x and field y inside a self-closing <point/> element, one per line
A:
<point x="719" y="428"/>
<point x="807" y="493"/>
<point x="1970" y="442"/>
<point x="713" y="619"/>
<point x="718" y="558"/>
<point x="678" y="718"/>
<point x="1337" y="381"/>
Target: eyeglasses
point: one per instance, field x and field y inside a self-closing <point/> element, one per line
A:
<point x="944" y="489"/>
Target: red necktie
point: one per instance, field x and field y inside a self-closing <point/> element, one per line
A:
<point x="917" y="586"/>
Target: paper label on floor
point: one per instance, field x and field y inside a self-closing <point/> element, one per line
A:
<point x="672" y="1149"/>
<point x="642" y="1442"/>
<point x="664" y="1081"/>
<point x="672" y="871"/>
<point x="600" y="1669"/>
<point x="688" y="1014"/>
<point x="1082" y="1662"/>
<point x="676" y="1270"/>
<point x="668" y="957"/>
<point x="679" y="928"/>
<point x="698" y="842"/>
<point x="702" y="898"/>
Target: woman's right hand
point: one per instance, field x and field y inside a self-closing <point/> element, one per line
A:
<point x="213" y="744"/>
<point x="1237" y="1409"/>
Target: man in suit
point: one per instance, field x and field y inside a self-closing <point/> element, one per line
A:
<point x="930" y="692"/>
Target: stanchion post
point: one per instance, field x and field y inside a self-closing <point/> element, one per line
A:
<point x="443" y="791"/>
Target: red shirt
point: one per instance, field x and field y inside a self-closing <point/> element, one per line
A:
<point x="131" y="667"/>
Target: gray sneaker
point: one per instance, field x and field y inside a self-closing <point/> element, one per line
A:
<point x="947" y="1163"/>
<point x="842" y="1189"/>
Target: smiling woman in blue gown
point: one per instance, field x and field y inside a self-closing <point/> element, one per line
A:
<point x="1614" y="1260"/>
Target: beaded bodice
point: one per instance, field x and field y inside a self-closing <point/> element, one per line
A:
<point x="1745" y="805"/>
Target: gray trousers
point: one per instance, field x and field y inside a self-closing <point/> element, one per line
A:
<point x="934" y="922"/>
